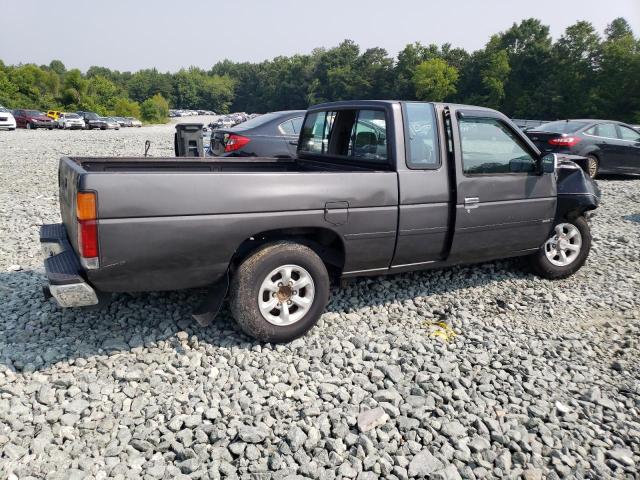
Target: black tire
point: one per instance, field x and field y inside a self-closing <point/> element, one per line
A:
<point x="29" y="126"/>
<point x="247" y="281"/>
<point x="593" y="166"/>
<point x="543" y="266"/>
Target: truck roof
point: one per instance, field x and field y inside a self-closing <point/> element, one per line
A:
<point x="363" y="103"/>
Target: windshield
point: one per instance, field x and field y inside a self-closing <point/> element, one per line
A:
<point x="6" y="110"/>
<point x="71" y="115"/>
<point x="565" y="126"/>
<point x="34" y="113"/>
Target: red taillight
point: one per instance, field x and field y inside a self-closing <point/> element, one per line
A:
<point x="235" y="142"/>
<point x="88" y="238"/>
<point x="87" y="216"/>
<point x="564" y="141"/>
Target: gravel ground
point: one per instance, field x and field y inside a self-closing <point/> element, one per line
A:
<point x="541" y="379"/>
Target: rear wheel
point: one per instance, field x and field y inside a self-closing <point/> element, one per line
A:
<point x="593" y="166"/>
<point x="565" y="251"/>
<point x="278" y="293"/>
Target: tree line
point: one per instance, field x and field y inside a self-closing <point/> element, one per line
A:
<point x="520" y="71"/>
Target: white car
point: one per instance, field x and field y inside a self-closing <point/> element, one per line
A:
<point x="135" y="122"/>
<point x="6" y="119"/>
<point x="70" y="121"/>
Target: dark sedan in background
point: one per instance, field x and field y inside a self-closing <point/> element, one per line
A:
<point x="270" y="135"/>
<point x="609" y="146"/>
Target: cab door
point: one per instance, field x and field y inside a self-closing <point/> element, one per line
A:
<point x="505" y="206"/>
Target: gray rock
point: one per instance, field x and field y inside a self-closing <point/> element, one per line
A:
<point x="296" y="438"/>
<point x="622" y="455"/>
<point x="424" y="463"/>
<point x="370" y="419"/>
<point x="252" y="434"/>
<point x="479" y="444"/>
<point x="453" y="429"/>
<point x="46" y="394"/>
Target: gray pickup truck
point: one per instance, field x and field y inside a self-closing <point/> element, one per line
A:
<point x="377" y="187"/>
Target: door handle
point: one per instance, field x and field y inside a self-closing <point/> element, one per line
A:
<point x="293" y="142"/>
<point x="471" y="202"/>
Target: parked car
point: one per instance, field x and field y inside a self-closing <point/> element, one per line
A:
<point x="434" y="185"/>
<point x="91" y="119"/>
<point x="102" y="123"/>
<point x="109" y="123"/>
<point x="609" y="146"/>
<point x="54" y="114"/>
<point x="70" y="121"/>
<point x="32" y="119"/>
<point x="270" y="135"/>
<point x="123" y="122"/>
<point x="7" y="121"/>
<point x="134" y="122"/>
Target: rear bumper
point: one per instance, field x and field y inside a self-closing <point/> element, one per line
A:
<point x="64" y="272"/>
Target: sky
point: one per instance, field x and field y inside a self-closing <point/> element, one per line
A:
<point x="130" y="35"/>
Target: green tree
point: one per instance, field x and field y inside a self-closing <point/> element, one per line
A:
<point x="435" y="80"/>
<point x="576" y="60"/>
<point x="123" y="107"/>
<point x="618" y="79"/>
<point x="58" y="67"/>
<point x="528" y="45"/>
<point x="155" y="109"/>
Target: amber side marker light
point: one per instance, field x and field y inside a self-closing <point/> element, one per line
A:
<point x="87" y="214"/>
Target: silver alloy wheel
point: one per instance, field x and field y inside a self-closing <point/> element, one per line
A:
<point x="286" y="295"/>
<point x="564" y="245"/>
<point x="593" y="167"/>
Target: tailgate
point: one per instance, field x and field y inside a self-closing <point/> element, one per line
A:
<point x="69" y="173"/>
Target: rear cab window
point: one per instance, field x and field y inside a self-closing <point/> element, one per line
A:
<point x="350" y="135"/>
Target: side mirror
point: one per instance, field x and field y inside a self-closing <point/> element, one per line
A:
<point x="549" y="163"/>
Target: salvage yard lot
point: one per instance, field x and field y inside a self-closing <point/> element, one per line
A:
<point x="541" y="377"/>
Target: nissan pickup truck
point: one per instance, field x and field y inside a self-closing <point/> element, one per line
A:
<point x="376" y="187"/>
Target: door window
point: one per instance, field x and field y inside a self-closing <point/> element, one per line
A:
<point x="297" y="124"/>
<point x="607" y="130"/>
<point x="489" y="147"/>
<point x="629" y="134"/>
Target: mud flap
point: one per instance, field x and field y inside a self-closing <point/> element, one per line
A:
<point x="210" y="306"/>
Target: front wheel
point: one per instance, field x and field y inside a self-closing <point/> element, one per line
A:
<point x="279" y="292"/>
<point x="565" y="251"/>
<point x="29" y="126"/>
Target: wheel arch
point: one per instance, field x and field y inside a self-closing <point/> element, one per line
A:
<point x="326" y="243"/>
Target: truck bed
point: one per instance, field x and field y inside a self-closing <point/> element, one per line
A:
<point x="167" y="223"/>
